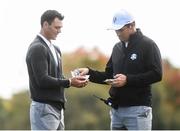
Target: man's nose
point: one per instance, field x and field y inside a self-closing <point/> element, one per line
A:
<point x="59" y="31"/>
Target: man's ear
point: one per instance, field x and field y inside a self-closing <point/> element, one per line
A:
<point x="45" y="24"/>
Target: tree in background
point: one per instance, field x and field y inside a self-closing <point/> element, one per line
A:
<point x="14" y="113"/>
<point x="166" y="99"/>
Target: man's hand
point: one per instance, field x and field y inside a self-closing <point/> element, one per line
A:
<point x="119" y="80"/>
<point x="79" y="81"/>
<point x="83" y="71"/>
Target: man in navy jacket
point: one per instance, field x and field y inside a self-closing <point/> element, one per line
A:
<point x="135" y="64"/>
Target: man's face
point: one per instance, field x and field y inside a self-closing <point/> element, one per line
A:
<point x="53" y="29"/>
<point x="123" y="33"/>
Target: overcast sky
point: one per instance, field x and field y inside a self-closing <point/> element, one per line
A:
<point x="85" y="25"/>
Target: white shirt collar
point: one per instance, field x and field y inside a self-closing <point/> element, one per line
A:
<point x="46" y="41"/>
<point x="51" y="47"/>
<point x="126" y="44"/>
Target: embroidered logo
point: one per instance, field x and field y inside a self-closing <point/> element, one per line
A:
<point x="114" y="20"/>
<point x="133" y="56"/>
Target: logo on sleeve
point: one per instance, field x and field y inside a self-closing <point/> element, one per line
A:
<point x="133" y="56"/>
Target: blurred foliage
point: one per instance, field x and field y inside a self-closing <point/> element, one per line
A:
<point x="83" y="111"/>
<point x="166" y="99"/>
<point x="14" y="113"/>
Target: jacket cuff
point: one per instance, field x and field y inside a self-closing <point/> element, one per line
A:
<point x="66" y="83"/>
<point x="90" y="71"/>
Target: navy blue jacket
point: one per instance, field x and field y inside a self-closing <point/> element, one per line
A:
<point x="140" y="62"/>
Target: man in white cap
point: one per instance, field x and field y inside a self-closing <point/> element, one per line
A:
<point x="134" y="65"/>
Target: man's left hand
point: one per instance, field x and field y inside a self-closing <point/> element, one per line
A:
<point x="119" y="80"/>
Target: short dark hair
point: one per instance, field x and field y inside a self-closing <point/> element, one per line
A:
<point x="50" y="15"/>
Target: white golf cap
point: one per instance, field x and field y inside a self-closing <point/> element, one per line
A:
<point x="121" y="19"/>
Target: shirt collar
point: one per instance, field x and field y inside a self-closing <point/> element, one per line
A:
<point x="46" y="41"/>
<point x="136" y="36"/>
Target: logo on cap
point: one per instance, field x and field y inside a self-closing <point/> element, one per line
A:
<point x="120" y="19"/>
<point x="114" y="20"/>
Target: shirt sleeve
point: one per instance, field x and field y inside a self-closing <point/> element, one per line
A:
<point x="100" y="76"/>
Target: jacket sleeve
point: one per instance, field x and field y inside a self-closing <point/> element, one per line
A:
<point x="153" y="65"/>
<point x="98" y="76"/>
<point x="39" y="66"/>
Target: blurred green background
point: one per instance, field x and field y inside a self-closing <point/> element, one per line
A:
<point x="83" y="111"/>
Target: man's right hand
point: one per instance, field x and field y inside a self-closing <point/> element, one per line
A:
<point x="83" y="71"/>
<point x="78" y="81"/>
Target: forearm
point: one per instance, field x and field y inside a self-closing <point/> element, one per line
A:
<point x="97" y="76"/>
<point x="144" y="78"/>
<point x="51" y="82"/>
